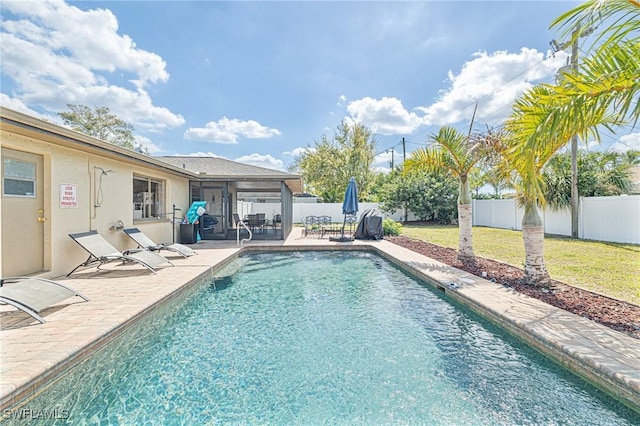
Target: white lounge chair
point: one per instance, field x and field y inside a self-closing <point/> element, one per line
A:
<point x="32" y="295"/>
<point x="146" y="243"/>
<point x="101" y="252"/>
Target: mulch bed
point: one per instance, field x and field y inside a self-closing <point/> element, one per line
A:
<point x="615" y="314"/>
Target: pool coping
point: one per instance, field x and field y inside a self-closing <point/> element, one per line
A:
<point x="607" y="359"/>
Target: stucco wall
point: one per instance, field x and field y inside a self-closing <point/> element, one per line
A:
<point x="101" y="202"/>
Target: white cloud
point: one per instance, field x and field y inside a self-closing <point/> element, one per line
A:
<point x="147" y="144"/>
<point x="494" y="81"/>
<point x="87" y="38"/>
<point x="260" y="160"/>
<point x="199" y="154"/>
<point x="384" y="158"/>
<point x="342" y="99"/>
<point x="627" y="142"/>
<point x="58" y="54"/>
<point x="16" y="105"/>
<point x="226" y="131"/>
<point x="383" y="170"/>
<point x="385" y="116"/>
<point x="297" y="152"/>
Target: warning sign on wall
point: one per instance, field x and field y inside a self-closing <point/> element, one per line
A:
<point x="68" y="196"/>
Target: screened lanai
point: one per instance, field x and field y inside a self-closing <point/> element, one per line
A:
<point x="233" y="191"/>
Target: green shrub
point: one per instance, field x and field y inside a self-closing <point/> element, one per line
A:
<point x="391" y="227"/>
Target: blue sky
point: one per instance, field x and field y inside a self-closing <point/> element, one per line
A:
<point x="257" y="82"/>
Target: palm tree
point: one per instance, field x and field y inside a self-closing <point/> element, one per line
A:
<point x="601" y="174"/>
<point x="631" y="157"/>
<point x="491" y="153"/>
<point x="603" y="90"/>
<point x="455" y="153"/>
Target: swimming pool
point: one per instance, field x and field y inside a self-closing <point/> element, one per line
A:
<point x="321" y="337"/>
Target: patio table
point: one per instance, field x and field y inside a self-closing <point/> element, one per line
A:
<point x="332" y="228"/>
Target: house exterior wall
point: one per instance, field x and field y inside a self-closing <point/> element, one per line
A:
<point x="102" y="200"/>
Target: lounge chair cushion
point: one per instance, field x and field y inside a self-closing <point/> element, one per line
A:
<point x="150" y="258"/>
<point x="101" y="252"/>
<point x="147" y="243"/>
<point x="32" y="295"/>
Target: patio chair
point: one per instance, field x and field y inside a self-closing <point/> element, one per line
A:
<point x="351" y="220"/>
<point x="146" y="243"/>
<point x="262" y="221"/>
<point x="31" y="295"/>
<point x="254" y="223"/>
<point x="276" y="222"/>
<point x="312" y="225"/>
<point x="325" y="224"/>
<point x="239" y="223"/>
<point x="101" y="252"/>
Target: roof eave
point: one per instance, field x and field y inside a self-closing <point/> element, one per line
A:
<point x="30" y="126"/>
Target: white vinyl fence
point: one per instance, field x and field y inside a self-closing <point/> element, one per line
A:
<point x="302" y="210"/>
<point x="613" y="219"/>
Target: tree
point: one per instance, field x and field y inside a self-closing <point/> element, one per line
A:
<point x="527" y="151"/>
<point x="430" y="196"/>
<point x="327" y="167"/>
<point x="608" y="79"/>
<point x="100" y="124"/>
<point x="600" y="174"/>
<point x="631" y="157"/>
<point x="600" y="91"/>
<point x="488" y="171"/>
<point x="457" y="154"/>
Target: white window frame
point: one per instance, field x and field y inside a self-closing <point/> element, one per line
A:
<point x="32" y="179"/>
<point x="148" y="198"/>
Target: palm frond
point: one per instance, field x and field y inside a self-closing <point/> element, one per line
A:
<point x="427" y="159"/>
<point x="615" y="19"/>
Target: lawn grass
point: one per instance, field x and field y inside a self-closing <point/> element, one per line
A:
<point x="612" y="269"/>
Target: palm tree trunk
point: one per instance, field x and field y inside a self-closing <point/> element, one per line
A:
<point x="535" y="271"/>
<point x="465" y="222"/>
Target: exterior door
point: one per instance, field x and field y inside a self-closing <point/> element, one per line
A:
<point x="213" y="223"/>
<point x="23" y="213"/>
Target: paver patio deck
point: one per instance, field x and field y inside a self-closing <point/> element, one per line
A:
<point x="32" y="354"/>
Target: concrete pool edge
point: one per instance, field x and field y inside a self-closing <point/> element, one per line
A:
<point x="618" y="379"/>
<point x="621" y="381"/>
<point x="21" y="392"/>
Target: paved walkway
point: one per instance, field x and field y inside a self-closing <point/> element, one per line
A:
<point x="31" y="354"/>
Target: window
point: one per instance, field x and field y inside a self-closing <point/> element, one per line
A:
<point x="18" y="178"/>
<point x="148" y="198"/>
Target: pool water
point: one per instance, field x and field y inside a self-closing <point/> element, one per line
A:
<point x="322" y="338"/>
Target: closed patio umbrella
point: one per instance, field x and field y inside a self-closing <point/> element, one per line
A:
<point x="349" y="207"/>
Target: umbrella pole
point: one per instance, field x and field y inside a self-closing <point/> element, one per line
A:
<point x="342" y="238"/>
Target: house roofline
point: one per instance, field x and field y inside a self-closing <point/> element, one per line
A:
<point x="28" y="125"/>
<point x="31" y="126"/>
